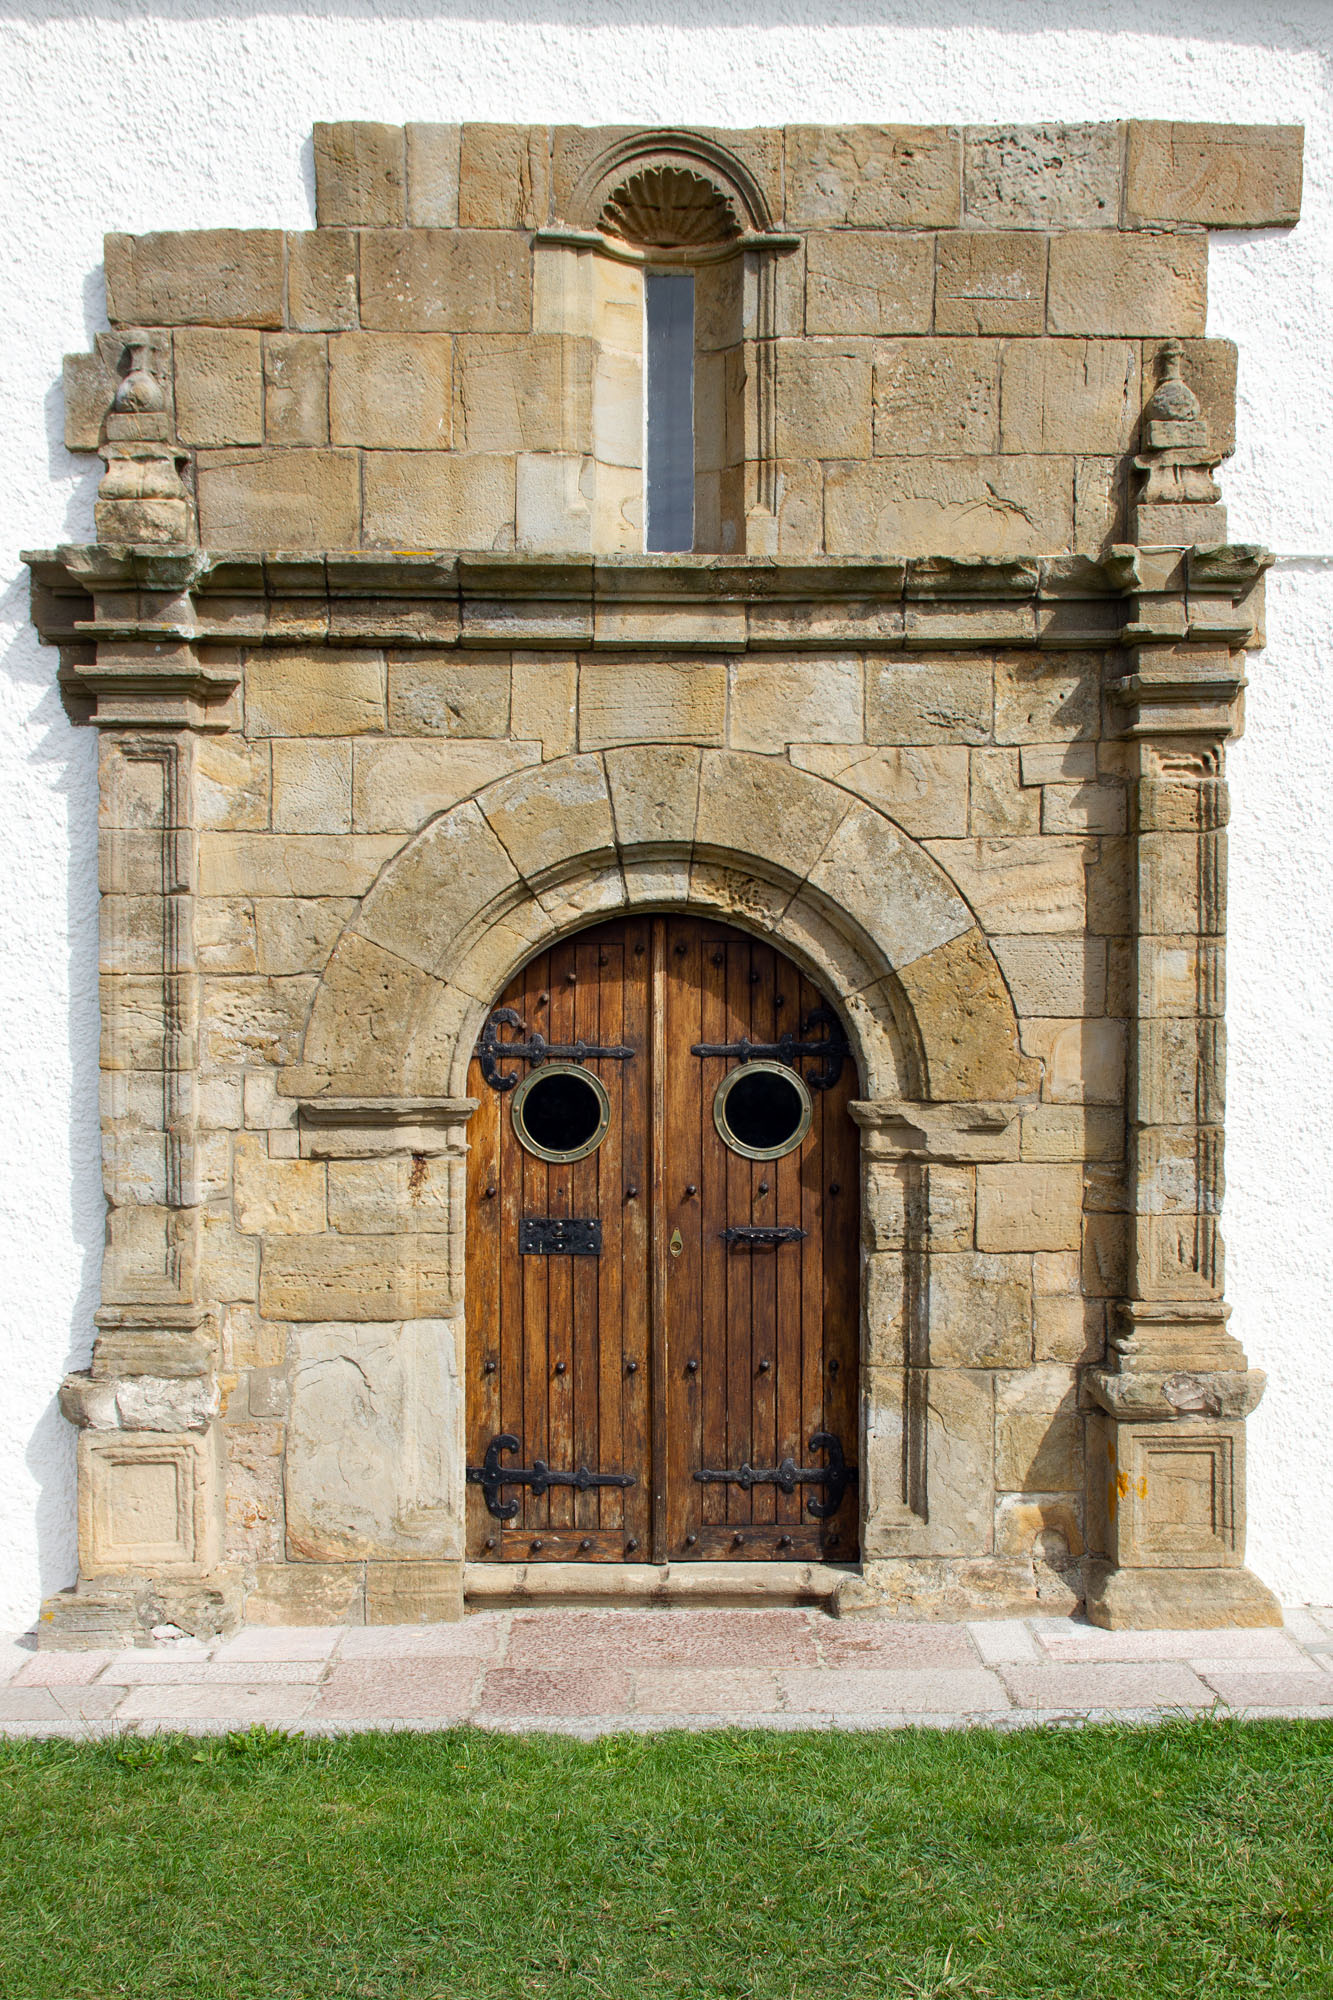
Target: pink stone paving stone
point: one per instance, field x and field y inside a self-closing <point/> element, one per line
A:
<point x="870" y="1642"/>
<point x="281" y="1642"/>
<point x="232" y="1707"/>
<point x="29" y="1704"/>
<point x="1088" y="1642"/>
<point x="511" y="1693"/>
<point x="662" y="1638"/>
<point x="60" y="1669"/>
<point x="152" y="1670"/>
<point x="1119" y="1684"/>
<point x="478" y="1637"/>
<point x="893" y="1691"/>
<point x="418" y="1690"/>
<point x="710" y="1691"/>
<point x="1241" y="1689"/>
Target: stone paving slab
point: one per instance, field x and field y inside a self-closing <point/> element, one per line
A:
<point x="586" y="1672"/>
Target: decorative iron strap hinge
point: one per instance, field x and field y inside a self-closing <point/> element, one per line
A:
<point x="491" y="1051"/>
<point x="835" y="1477"/>
<point x="761" y="1234"/>
<point x="831" y="1048"/>
<point x="490" y="1475"/>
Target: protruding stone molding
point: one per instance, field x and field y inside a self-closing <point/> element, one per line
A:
<point x="866" y="910"/>
<point x="955" y="1134"/>
<point x="1150" y="599"/>
<point x="368" y="1128"/>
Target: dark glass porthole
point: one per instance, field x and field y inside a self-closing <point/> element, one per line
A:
<point x="561" y="1112"/>
<point x="762" y="1110"/>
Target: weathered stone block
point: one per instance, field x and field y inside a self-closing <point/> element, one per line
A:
<point x="279" y="499"/>
<point x="823" y="399"/>
<point x="979" y="1311"/>
<point x="874" y="176"/>
<point x="456" y="867"/>
<point x="360" y="173"/>
<point x="219" y="387"/>
<point x="990" y="281"/>
<point x="949" y="507"/>
<point x="185" y="277"/>
<point x="297" y="934"/>
<point x="526" y="392"/>
<point x="929" y="701"/>
<point x="1084" y="1061"/>
<point x="312" y="786"/>
<point x="315" y="693"/>
<point x="434" y="696"/>
<point x="277" y="864"/>
<point x="862" y="281"/>
<point x="775" y="700"/>
<point x="1073" y="1132"/>
<point x="1222" y="176"/>
<point x="305" y="1593"/>
<point x="1083" y="808"/>
<point x="1108" y="283"/>
<point x="296" y="389"/>
<point x="504" y="177"/>
<point x="651" y="701"/>
<point x="1029" y="1207"/>
<point x="151" y="1501"/>
<point x="998" y="803"/>
<point x="438" y="500"/>
<point x="89" y="382"/>
<point x="960" y="1461"/>
<point x="1047" y="697"/>
<point x="446" y="281"/>
<point x="890" y="887"/>
<point x="432" y="175"/>
<point x="399" y="786"/>
<point x="1018" y="885"/>
<point x="254" y="1530"/>
<point x="413" y="1593"/>
<point x="1060" y="976"/>
<point x="1038" y="1432"/>
<point x="254" y="1020"/>
<point x="381" y="1197"/>
<point x="391" y="390"/>
<point x="1070" y="395"/>
<point x="360" y="1278"/>
<point x="935" y="397"/>
<point x="374" y="1441"/>
<point x="1042" y="176"/>
<point x="321" y="280"/>
<point x="923" y="790"/>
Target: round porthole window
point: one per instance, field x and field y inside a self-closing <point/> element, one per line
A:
<point x="762" y="1110"/>
<point x="561" y="1112"/>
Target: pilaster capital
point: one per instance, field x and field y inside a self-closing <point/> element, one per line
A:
<point x="362" y="1128"/>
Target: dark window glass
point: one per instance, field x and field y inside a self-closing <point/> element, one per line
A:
<point x="668" y="304"/>
<point x="560" y="1111"/>
<point x="764" y="1110"/>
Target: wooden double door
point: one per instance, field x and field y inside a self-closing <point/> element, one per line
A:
<point x="662" y="1256"/>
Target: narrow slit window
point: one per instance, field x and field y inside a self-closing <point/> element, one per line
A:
<point x="668" y="300"/>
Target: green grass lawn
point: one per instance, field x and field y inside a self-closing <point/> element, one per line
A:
<point x="1099" y="1864"/>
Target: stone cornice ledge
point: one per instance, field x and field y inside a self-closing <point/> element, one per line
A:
<point x="360" y="1128"/>
<point x="106" y="596"/>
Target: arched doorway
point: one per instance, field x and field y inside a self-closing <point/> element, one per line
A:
<point x="662" y="1256"/>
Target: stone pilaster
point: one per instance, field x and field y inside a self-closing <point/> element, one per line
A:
<point x="1166" y="1446"/>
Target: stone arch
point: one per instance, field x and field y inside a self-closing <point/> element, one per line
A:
<point x="873" y="918"/>
<point x="668" y="149"/>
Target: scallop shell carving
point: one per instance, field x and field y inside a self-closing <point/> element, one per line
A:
<point x="669" y="208"/>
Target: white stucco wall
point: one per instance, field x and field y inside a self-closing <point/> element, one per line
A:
<point x="188" y="114"/>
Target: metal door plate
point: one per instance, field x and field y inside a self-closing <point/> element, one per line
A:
<point x="559" y="1236"/>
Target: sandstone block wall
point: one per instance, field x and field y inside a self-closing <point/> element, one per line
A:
<point x="925" y="340"/>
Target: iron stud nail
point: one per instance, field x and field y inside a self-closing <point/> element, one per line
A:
<point x="632" y="1191"/>
<point x="690" y="1541"/>
<point x="536" y="1545"/>
<point x="586" y="1543"/>
<point x="489" y="1367"/>
<point x="490" y="1541"/>
<point x="631" y="1367"/>
<point x="560" y="1367"/>
<point x="690" y="1191"/>
<point x="784" y="1541"/>
<point x="631" y="1545"/>
<point x="691" y="1368"/>
<point x="765" y="1365"/>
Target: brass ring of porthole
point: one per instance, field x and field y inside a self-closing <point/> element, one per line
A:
<point x="759" y="1066"/>
<point x="531" y="1082"/>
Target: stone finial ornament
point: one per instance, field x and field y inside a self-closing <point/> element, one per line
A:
<point x="1176" y="503"/>
<point x="141" y="498"/>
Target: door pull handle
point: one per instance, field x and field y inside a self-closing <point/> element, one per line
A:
<point x="677" y="1243"/>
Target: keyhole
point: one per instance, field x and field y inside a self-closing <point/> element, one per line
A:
<point x="677" y="1244"/>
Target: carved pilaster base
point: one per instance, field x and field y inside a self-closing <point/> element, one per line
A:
<point x="131" y="1609"/>
<point x="1177" y="1599"/>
